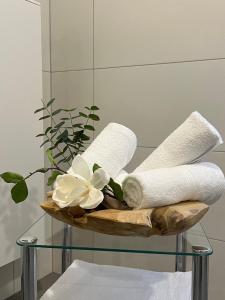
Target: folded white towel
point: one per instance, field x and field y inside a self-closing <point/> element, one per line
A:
<point x="203" y="181"/>
<point x="83" y="281"/>
<point x="188" y="143"/>
<point x="112" y="149"/>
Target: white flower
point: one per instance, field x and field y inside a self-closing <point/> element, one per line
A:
<point x="80" y="186"/>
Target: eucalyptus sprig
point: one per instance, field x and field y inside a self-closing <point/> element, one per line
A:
<point x="67" y="136"/>
<point x="19" y="191"/>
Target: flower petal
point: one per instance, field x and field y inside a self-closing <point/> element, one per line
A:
<point x="80" y="167"/>
<point x="79" y="193"/>
<point x="59" y="199"/>
<point x="65" y="182"/>
<point x="70" y="190"/>
<point x="100" y="179"/>
<point x="94" y="198"/>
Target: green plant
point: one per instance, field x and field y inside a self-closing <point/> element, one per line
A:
<point x="68" y="135"/>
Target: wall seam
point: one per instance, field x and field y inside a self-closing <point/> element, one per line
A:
<point x="93" y="85"/>
<point x="93" y="51"/>
<point x="138" y="65"/>
<point x="51" y="83"/>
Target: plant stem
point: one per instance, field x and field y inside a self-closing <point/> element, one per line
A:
<point x="47" y="169"/>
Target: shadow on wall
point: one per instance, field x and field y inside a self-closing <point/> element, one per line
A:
<point x="14" y="219"/>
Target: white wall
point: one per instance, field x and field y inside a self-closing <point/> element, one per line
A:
<point x="146" y="64"/>
<point x="20" y="95"/>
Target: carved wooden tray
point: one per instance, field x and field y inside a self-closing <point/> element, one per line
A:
<point x="167" y="220"/>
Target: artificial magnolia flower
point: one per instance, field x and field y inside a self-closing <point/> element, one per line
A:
<point x="80" y="186"/>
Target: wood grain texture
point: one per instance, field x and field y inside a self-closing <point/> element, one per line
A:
<point x="167" y="220"/>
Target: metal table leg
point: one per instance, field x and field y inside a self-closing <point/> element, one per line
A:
<point x="29" y="271"/>
<point x="200" y="273"/>
<point x="181" y="245"/>
<point x="66" y="253"/>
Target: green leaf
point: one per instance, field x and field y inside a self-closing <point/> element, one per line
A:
<point x="56" y="112"/>
<point x="77" y="136"/>
<point x="48" y="129"/>
<point x="44" y="117"/>
<point x="95" y="167"/>
<point x="39" y="109"/>
<point x="50" y="157"/>
<point x="87" y="107"/>
<point x="89" y="127"/>
<point x="45" y="142"/>
<point x="94" y="117"/>
<point x="11" y="177"/>
<point x="59" y="124"/>
<point x="54" y="130"/>
<point x="40" y="134"/>
<point x="79" y="125"/>
<point x="65" y="148"/>
<point x="50" y="102"/>
<point x="69" y="110"/>
<point x="64" y="119"/>
<point x="84" y="137"/>
<point x="19" y="192"/>
<point x="83" y="115"/>
<point x="53" y="177"/>
<point x="94" y="107"/>
<point x="63" y="136"/>
<point x="117" y="190"/>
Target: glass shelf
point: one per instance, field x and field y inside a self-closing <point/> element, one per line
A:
<point x="195" y="238"/>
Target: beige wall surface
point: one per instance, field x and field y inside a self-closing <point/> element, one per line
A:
<point x="147" y="64"/>
<point x="20" y="94"/>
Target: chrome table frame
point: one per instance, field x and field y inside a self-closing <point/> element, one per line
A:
<point x="29" y="268"/>
<point x="200" y="268"/>
<point x="199" y="265"/>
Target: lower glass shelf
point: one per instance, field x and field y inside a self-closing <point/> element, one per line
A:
<point x="47" y="232"/>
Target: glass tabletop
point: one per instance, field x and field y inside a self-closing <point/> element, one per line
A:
<point x="47" y="232"/>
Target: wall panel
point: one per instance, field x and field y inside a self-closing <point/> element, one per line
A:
<point x="134" y="32"/>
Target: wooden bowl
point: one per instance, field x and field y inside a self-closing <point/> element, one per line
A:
<point x="166" y="220"/>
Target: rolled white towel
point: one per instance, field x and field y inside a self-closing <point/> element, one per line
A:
<point x="112" y="149"/>
<point x="121" y="176"/>
<point x="187" y="144"/>
<point x="201" y="181"/>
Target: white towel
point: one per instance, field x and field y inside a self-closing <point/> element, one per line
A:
<point x="84" y="281"/>
<point x="203" y="181"/>
<point x="121" y="176"/>
<point x="112" y="149"/>
<point x="187" y="144"/>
